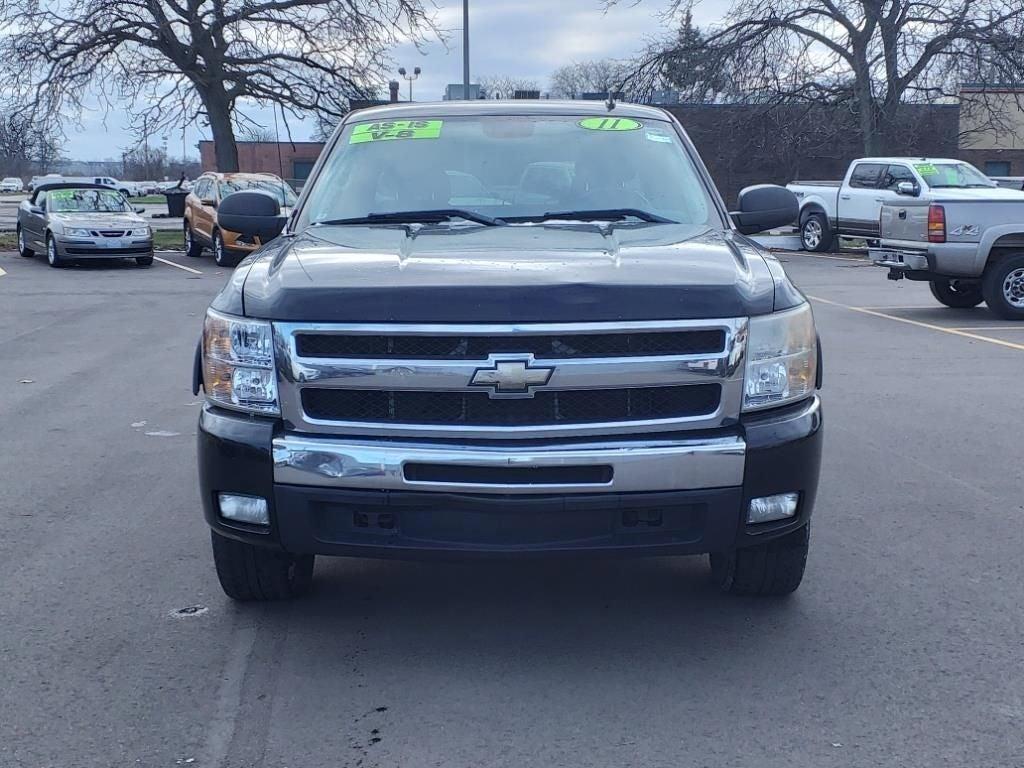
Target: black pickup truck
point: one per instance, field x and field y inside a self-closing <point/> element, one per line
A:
<point x="509" y="329"/>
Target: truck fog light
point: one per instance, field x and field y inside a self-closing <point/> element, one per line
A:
<point x="244" y="509"/>
<point x="765" y="509"/>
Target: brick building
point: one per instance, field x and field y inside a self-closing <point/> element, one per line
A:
<point x="744" y="145"/>
<point x="289" y="160"/>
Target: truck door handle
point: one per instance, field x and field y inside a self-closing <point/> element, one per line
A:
<point x="903" y="214"/>
<point x="844" y="197"/>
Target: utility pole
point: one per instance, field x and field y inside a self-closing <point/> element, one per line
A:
<point x="465" y="49"/>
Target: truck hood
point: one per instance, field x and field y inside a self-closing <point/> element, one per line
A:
<point x="533" y="273"/>
<point x="975" y="193"/>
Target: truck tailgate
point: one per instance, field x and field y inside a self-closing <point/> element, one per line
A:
<point x="904" y="224"/>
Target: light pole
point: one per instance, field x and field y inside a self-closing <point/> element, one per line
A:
<point x="465" y="49"/>
<point x="410" y="78"/>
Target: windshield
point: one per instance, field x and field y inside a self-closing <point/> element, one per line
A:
<point x="276" y="187"/>
<point x="86" y="201"/>
<point x="944" y="175"/>
<point x="509" y="168"/>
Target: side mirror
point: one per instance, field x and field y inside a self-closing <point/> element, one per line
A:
<point x="908" y="188"/>
<point x="256" y="214"/>
<point x="139" y="209"/>
<point x="35" y="210"/>
<point x="765" y="206"/>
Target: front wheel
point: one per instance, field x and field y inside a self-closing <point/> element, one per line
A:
<point x="23" y="248"/>
<point x="144" y="261"/>
<point x="52" y="257"/>
<point x="771" y="569"/>
<point x="193" y="248"/>
<point x="959" y="294"/>
<point x="1003" y="287"/>
<point x="815" y="233"/>
<point x="256" y="574"/>
<point x="221" y="254"/>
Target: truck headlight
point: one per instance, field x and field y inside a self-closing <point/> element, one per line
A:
<point x="238" y="363"/>
<point x="782" y="359"/>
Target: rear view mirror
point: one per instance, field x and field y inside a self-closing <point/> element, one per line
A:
<point x="765" y="206"/>
<point x="256" y="214"/>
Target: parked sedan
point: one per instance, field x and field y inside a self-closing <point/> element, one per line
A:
<point x="11" y="184"/>
<point x="82" y="221"/>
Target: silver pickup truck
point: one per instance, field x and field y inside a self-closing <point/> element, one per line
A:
<point x="966" y="241"/>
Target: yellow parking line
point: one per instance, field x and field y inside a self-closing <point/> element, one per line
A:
<point x="179" y="266"/>
<point x="919" y="324"/>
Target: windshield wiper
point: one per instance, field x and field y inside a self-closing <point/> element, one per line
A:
<point x="417" y="217"/>
<point x="608" y="214"/>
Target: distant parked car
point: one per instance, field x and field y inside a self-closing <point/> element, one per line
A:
<point x="201" y="227"/>
<point x="82" y="221"/>
<point x="126" y="188"/>
<point x="35" y="181"/>
<point x="11" y="184"/>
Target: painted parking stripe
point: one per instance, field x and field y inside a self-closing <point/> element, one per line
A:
<point x="919" y="324"/>
<point x="2" y="272"/>
<point x="179" y="266"/>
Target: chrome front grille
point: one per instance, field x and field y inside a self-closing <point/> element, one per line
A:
<point x="526" y="381"/>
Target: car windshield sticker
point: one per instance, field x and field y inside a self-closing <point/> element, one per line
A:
<point x="609" y="124"/>
<point x="927" y="169"/>
<point x="388" y="130"/>
<point x="62" y="194"/>
<point x="664" y="138"/>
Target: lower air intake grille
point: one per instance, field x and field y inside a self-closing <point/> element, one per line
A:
<point x="477" y="409"/>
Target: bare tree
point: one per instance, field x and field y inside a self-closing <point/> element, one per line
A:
<point x="184" y="61"/>
<point x="600" y="76"/>
<point x="873" y="56"/>
<point x="26" y="144"/>
<point x="505" y="86"/>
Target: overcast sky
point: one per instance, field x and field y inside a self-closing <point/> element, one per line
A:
<point x="523" y="38"/>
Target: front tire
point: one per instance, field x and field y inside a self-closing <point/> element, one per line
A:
<point x="1003" y="287"/>
<point x="23" y="248"/>
<point x="257" y="574"/>
<point x="774" y="568"/>
<point x="52" y="257"/>
<point x="815" y="233"/>
<point x="959" y="294"/>
<point x="193" y="248"/>
<point x="221" y="254"/>
<point x="144" y="261"/>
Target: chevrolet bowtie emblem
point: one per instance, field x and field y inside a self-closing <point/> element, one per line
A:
<point x="511" y="377"/>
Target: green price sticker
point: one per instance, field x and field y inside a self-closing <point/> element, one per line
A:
<point x="927" y="169"/>
<point x="389" y="130"/>
<point x="609" y="124"/>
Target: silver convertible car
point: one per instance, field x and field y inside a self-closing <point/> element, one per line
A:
<point x="82" y="221"/>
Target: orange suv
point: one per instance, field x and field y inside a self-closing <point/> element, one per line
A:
<point x="201" y="230"/>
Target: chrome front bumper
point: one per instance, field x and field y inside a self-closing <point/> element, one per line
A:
<point x="650" y="465"/>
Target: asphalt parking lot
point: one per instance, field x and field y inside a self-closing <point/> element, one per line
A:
<point x="902" y="648"/>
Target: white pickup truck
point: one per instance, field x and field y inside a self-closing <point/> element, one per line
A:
<point x="851" y="207"/>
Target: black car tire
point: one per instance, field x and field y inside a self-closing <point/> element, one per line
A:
<point x="959" y="294"/>
<point x="193" y="248"/>
<point x="1003" y="287"/>
<point x="248" y="573"/>
<point x="23" y="249"/>
<point x="144" y="261"/>
<point x="221" y="254"/>
<point x="815" y="233"/>
<point x="774" y="568"/>
<point x="52" y="257"/>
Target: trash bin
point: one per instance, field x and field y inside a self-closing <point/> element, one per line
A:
<point x="175" y="202"/>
